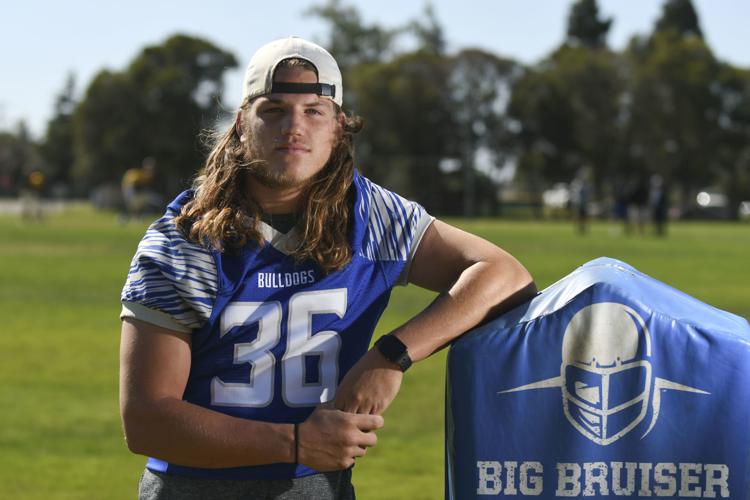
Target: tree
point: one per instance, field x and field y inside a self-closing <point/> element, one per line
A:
<point x="428" y="31"/>
<point x="409" y="124"/>
<point x="568" y="108"/>
<point x="157" y="107"/>
<point x="108" y="130"/>
<point x="674" y="110"/>
<point x="680" y="17"/>
<point x="19" y="155"/>
<point x="569" y="115"/>
<point x="180" y="86"/>
<point x="57" y="145"/>
<point x="350" y="41"/>
<point x="732" y="156"/>
<point x="585" y="27"/>
<point x="480" y="87"/>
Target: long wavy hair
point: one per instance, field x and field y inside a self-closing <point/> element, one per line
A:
<point x="223" y="215"/>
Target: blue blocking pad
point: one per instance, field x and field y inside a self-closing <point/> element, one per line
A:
<point x="608" y="383"/>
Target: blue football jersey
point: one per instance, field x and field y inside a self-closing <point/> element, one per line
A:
<point x="272" y="338"/>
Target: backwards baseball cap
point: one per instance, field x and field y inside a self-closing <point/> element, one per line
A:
<point x="259" y="74"/>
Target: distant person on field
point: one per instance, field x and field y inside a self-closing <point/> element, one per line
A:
<point x="136" y="189"/>
<point x="620" y="208"/>
<point x="250" y="305"/>
<point x="580" y="197"/>
<point x="658" y="202"/>
<point x="31" y="194"/>
<point x="638" y="206"/>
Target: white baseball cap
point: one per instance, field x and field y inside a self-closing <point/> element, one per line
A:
<point x="259" y="74"/>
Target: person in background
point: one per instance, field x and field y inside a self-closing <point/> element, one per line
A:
<point x="658" y="202"/>
<point x="31" y="194"/>
<point x="136" y="189"/>
<point x="638" y="206"/>
<point x="580" y="197"/>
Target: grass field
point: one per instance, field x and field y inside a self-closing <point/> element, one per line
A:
<point x="60" y="281"/>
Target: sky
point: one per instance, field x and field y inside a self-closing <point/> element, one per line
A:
<point x="45" y="41"/>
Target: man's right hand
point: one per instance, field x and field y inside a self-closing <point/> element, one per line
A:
<point x="331" y="439"/>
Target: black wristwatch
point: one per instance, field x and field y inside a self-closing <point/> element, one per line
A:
<point x="394" y="350"/>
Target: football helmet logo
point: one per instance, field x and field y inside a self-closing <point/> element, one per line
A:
<point x="606" y="378"/>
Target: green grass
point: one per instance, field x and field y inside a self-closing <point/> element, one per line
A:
<point x="60" y="280"/>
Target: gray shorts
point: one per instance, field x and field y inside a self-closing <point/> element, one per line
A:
<point x="328" y="485"/>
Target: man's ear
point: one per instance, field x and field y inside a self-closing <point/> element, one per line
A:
<point x="238" y="126"/>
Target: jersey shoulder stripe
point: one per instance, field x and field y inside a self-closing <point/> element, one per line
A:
<point x="395" y="225"/>
<point x="171" y="275"/>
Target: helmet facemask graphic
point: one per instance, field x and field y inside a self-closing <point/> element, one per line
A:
<point x="605" y="378"/>
<point x="606" y="403"/>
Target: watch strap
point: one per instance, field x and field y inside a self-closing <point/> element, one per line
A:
<point x="395" y="351"/>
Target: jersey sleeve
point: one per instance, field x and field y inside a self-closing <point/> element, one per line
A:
<point x="171" y="282"/>
<point x="395" y="228"/>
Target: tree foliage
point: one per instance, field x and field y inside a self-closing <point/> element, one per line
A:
<point x="428" y="31"/>
<point x="408" y="123"/>
<point x="57" y="145"/>
<point x="19" y="155"/>
<point x="351" y="41"/>
<point x="156" y="107"/>
<point x="680" y="17"/>
<point x="585" y="27"/>
<point x="480" y="86"/>
<point x="674" y="112"/>
<point x="732" y="154"/>
<point x="569" y="115"/>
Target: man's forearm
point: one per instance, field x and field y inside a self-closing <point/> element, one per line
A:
<point x="477" y="280"/>
<point x="482" y="291"/>
<point x="186" y="434"/>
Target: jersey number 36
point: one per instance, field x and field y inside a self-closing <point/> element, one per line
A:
<point x="297" y="390"/>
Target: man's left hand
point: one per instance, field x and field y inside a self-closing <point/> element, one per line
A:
<point x="370" y="385"/>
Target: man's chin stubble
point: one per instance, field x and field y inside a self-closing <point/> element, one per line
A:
<point x="274" y="180"/>
<point x="265" y="176"/>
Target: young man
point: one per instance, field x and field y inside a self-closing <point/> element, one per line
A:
<point x="250" y="306"/>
